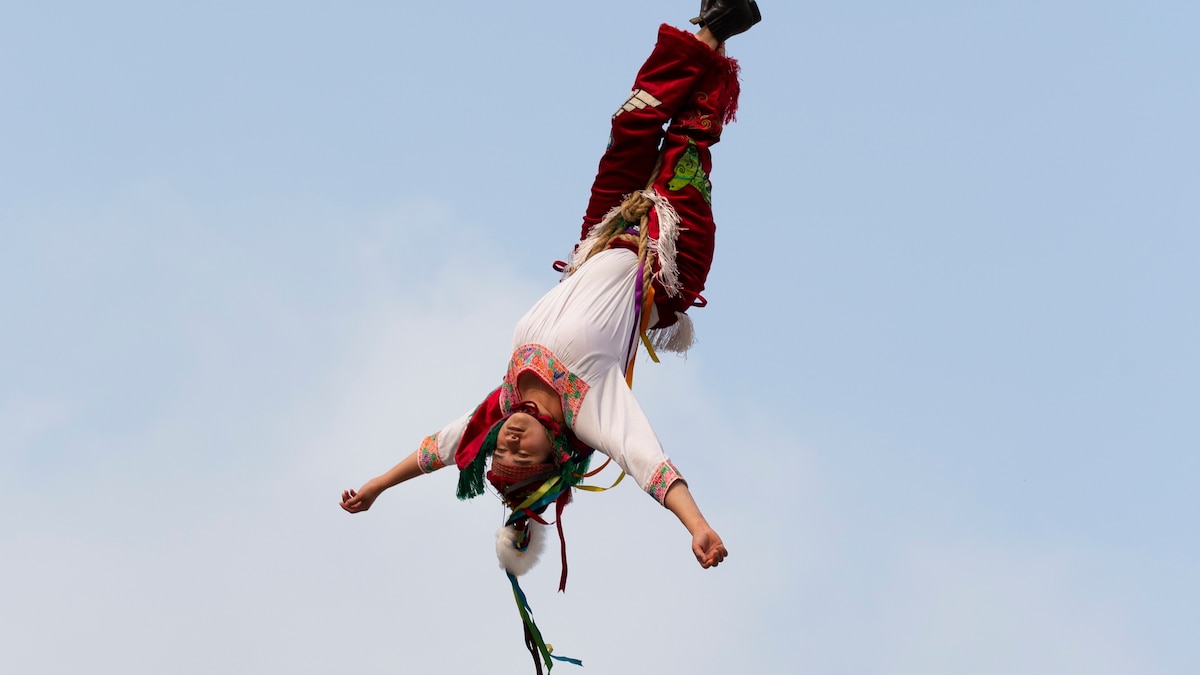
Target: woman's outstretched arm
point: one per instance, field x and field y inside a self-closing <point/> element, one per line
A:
<point x="706" y="543"/>
<point x="408" y="468"/>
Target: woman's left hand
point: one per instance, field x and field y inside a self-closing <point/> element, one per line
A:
<point x="710" y="551"/>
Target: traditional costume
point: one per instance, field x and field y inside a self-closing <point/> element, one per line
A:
<point x="646" y="248"/>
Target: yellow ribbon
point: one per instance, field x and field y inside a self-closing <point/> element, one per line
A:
<point x="645" y="321"/>
<point x="539" y="493"/>
<point x="596" y="488"/>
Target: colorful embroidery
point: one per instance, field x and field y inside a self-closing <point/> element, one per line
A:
<point x="688" y="171"/>
<point x="543" y="363"/>
<point x="428" y="458"/>
<point x="661" y="481"/>
<point x="697" y="121"/>
<point x="693" y="118"/>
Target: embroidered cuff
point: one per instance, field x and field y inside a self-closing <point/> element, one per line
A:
<point x="428" y="458"/>
<point x="661" y="480"/>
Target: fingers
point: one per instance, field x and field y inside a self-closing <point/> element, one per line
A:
<point x="710" y="554"/>
<point x="717" y="556"/>
<point x="352" y="502"/>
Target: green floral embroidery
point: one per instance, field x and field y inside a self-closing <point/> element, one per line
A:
<point x="661" y="481"/>
<point x="428" y="458"/>
<point x="689" y="171"/>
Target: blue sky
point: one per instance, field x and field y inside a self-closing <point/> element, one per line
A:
<point x="943" y="409"/>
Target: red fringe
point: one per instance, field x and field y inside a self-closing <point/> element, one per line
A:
<point x="731" y="90"/>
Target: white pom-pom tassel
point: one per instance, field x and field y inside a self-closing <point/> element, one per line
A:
<point x="677" y="338"/>
<point x="519" y="562"/>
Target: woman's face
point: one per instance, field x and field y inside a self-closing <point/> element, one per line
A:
<point x="523" y="441"/>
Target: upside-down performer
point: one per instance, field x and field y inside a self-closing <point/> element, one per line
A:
<point x="646" y="249"/>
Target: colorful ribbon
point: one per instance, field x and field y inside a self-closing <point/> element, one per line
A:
<point x="533" y="637"/>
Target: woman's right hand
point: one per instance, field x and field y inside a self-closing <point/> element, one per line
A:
<point x="354" y="502"/>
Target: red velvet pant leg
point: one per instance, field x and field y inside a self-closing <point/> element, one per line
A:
<point x="684" y="179"/>
<point x="664" y="86"/>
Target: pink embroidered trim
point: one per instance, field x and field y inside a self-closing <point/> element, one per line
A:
<point x="661" y="481"/>
<point x="428" y="458"/>
<point x="532" y="357"/>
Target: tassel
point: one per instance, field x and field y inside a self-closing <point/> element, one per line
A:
<point x="470" y="477"/>
<point x="677" y="338"/>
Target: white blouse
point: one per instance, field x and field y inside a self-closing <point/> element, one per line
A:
<point x="578" y="338"/>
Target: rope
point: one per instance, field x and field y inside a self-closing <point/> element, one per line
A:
<point x="635" y="210"/>
<point x="635" y="207"/>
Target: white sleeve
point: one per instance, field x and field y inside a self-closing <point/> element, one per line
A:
<point x="611" y="421"/>
<point x="438" y="449"/>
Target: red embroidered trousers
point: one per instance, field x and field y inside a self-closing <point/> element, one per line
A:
<point x="693" y="91"/>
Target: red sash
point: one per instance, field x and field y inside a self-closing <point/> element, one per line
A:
<point x="482" y="420"/>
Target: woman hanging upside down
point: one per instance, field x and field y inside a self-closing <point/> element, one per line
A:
<point x="565" y="391"/>
<point x="645" y="252"/>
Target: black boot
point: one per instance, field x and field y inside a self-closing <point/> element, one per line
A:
<point x="726" y="18"/>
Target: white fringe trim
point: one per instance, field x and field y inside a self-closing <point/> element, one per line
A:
<point x="517" y="562"/>
<point x="677" y="338"/>
<point x="664" y="247"/>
